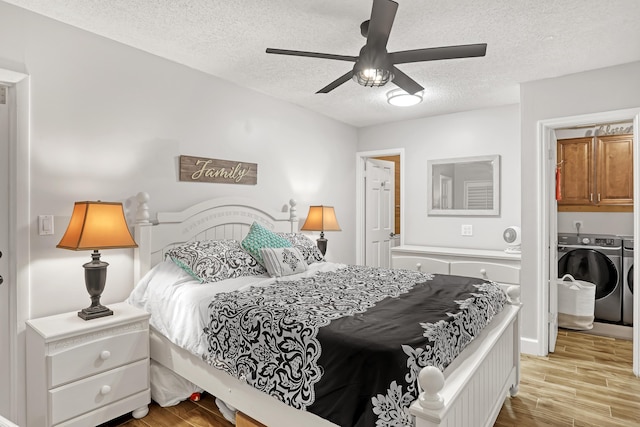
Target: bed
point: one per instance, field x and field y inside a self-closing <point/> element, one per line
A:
<point x="470" y="390"/>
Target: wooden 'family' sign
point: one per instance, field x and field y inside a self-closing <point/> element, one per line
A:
<point x="200" y="169"/>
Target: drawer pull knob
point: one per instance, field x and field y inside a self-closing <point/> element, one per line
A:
<point x="105" y="390"/>
<point x="418" y="266"/>
<point x="483" y="271"/>
<point x="105" y="355"/>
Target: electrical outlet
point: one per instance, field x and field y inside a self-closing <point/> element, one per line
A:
<point x="467" y="230"/>
<point x="577" y="225"/>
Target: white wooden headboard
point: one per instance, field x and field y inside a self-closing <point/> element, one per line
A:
<point x="221" y="218"/>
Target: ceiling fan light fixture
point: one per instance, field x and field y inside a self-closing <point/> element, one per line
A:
<point x="374" y="66"/>
<point x="372" y="77"/>
<point x="399" y="98"/>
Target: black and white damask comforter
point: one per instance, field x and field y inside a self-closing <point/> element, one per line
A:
<point x="348" y="345"/>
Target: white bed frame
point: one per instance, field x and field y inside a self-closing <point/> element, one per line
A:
<point x="471" y="391"/>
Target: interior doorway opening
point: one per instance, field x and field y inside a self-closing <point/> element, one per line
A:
<point x="16" y="275"/>
<point x="395" y="155"/>
<point x="594" y="195"/>
<point x="548" y="242"/>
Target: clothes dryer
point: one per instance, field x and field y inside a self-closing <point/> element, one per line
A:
<point x="627" y="274"/>
<point x="595" y="258"/>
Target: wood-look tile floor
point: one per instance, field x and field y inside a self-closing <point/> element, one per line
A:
<point x="587" y="382"/>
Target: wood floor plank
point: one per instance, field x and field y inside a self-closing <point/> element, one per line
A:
<point x="136" y="423"/>
<point x="200" y="417"/>
<point x="160" y="417"/>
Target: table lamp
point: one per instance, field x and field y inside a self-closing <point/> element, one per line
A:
<point x="321" y="218"/>
<point x="94" y="226"/>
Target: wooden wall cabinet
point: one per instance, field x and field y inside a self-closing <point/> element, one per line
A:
<point x="596" y="174"/>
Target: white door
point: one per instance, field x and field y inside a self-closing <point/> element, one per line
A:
<point x="5" y="372"/>
<point x="553" y="249"/>
<point x="379" y="212"/>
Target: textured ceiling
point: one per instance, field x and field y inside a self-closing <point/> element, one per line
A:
<point x="527" y="40"/>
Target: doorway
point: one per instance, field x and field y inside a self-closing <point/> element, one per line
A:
<point x="547" y="162"/>
<point x="379" y="212"/>
<point x="595" y="215"/>
<point x="15" y="218"/>
<point x="5" y="277"/>
<point x="397" y="156"/>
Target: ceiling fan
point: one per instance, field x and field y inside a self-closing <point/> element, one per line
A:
<point x="374" y="66"/>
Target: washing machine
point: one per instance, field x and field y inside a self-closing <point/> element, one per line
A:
<point x="595" y="258"/>
<point x="627" y="275"/>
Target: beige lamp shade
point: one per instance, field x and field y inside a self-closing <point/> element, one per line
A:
<point x="321" y="218"/>
<point x="97" y="225"/>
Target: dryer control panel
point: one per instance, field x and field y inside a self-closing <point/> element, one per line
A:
<point x="600" y="240"/>
<point x="604" y="241"/>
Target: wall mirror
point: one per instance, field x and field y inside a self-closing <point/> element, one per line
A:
<point x="464" y="186"/>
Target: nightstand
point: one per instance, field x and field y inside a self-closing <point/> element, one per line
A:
<point x="83" y="373"/>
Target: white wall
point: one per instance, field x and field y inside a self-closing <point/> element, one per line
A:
<point x="108" y="121"/>
<point x="472" y="133"/>
<point x="615" y="223"/>
<point x="602" y="90"/>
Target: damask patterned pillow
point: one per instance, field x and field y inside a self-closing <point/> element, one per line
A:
<point x="215" y="260"/>
<point x="306" y="246"/>
<point x="259" y="237"/>
<point x="283" y="261"/>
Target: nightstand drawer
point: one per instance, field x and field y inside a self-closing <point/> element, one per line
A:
<point x="86" y="395"/>
<point x="96" y="356"/>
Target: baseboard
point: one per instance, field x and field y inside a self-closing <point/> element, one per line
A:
<point x="611" y="330"/>
<point x="529" y="346"/>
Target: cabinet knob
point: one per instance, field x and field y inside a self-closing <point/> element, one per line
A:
<point x="418" y="266"/>
<point x="105" y="389"/>
<point x="483" y="271"/>
<point x="105" y="355"/>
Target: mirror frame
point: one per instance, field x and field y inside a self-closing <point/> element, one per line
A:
<point x="495" y="159"/>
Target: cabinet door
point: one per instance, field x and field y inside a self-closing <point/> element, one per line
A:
<point x="615" y="170"/>
<point x="576" y="183"/>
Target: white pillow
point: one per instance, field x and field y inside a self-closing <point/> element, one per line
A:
<point x="283" y="261"/>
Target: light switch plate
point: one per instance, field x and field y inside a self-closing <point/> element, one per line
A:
<point x="45" y="225"/>
<point x="467" y="230"/>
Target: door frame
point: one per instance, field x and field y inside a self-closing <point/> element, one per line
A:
<point x="19" y="236"/>
<point x="547" y="240"/>
<point x="361" y="158"/>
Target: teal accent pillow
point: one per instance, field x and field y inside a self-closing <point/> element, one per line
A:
<point x="258" y="238"/>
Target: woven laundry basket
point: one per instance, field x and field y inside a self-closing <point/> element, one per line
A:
<point x="576" y="303"/>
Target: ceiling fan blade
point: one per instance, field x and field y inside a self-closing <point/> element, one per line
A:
<point x="312" y="54"/>
<point x="337" y="82"/>
<point x="437" y="53"/>
<point x="405" y="82"/>
<point x="382" y="15"/>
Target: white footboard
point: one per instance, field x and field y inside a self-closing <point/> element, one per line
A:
<point x="473" y="389"/>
